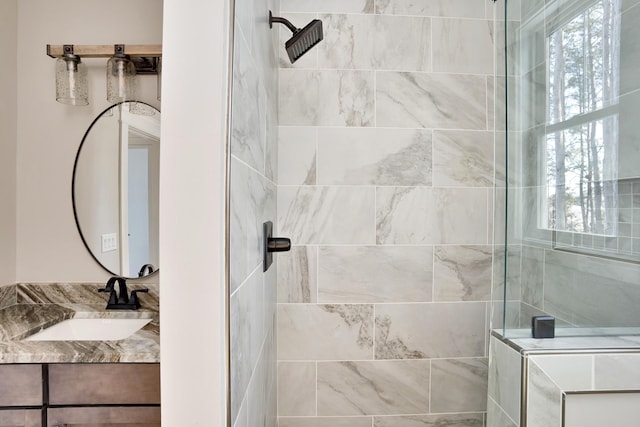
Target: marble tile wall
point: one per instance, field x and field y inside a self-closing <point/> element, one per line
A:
<point x="253" y="172"/>
<point x="385" y="187"/>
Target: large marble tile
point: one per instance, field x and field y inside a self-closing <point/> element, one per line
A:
<point x="504" y="378"/>
<point x="298" y="275"/>
<point x="496" y="417"/>
<point x="253" y="201"/>
<point x="327" y="215"/>
<point x="527" y="48"/>
<point x="348" y="41"/>
<point x="297" y="388"/>
<point x="296" y="155"/>
<point x="257" y="395"/>
<point x="617" y="372"/>
<point x="264" y="47"/>
<point x="591" y="291"/>
<point x="375" y="42"/>
<point x="367" y="156"/>
<point x="270" y="299"/>
<point x="449" y="8"/>
<point x="248" y="110"/>
<point x="242" y="419"/>
<point x="544" y="398"/>
<point x="375" y="274"/>
<point x="629" y="129"/>
<point x="462" y="273"/>
<point x="459" y="385"/>
<point x="422" y="100"/>
<point x="532" y="268"/>
<point x="402" y="43"/>
<point x="327" y="6"/>
<point x="325" y="332"/>
<point x="439" y="420"/>
<point x="463" y="159"/>
<point x="463" y="46"/>
<point x="246" y="336"/>
<point x="271" y="147"/>
<point x="325" y="422"/>
<point x="431" y="215"/>
<point x="373" y="388"/>
<point x="533" y="97"/>
<point x="430" y="330"/>
<point x="326" y="98"/>
<point x="568" y="371"/>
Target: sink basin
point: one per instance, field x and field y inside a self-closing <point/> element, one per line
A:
<point x="90" y="330"/>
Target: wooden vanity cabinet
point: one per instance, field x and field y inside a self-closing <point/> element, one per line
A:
<point x="21" y="395"/>
<point x="80" y="395"/>
<point x="21" y="385"/>
<point x="20" y="417"/>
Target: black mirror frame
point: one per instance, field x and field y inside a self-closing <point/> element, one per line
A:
<point x="73" y="196"/>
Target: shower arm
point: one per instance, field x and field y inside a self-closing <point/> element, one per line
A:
<point x="279" y="20"/>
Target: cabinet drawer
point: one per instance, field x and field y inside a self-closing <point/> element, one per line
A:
<point x="21" y="417"/>
<point x="21" y="385"/>
<point x="104" y="384"/>
<point x="112" y="416"/>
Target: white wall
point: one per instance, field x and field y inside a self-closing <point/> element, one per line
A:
<point x="192" y="215"/>
<point x="49" y="247"/>
<point x="8" y="119"/>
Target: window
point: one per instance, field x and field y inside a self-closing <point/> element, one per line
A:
<point x="581" y="138"/>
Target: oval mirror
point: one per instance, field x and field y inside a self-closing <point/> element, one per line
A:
<point x="115" y="189"/>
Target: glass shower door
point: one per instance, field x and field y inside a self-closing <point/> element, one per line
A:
<point x="572" y="248"/>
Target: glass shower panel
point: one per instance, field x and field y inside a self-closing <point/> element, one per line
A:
<point x="572" y="245"/>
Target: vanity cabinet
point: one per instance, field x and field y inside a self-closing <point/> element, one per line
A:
<point x="80" y="395"/>
<point x="20" y="417"/>
<point x="104" y="384"/>
<point x="21" y="395"/>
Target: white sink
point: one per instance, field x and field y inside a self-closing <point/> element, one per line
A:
<point x="90" y="330"/>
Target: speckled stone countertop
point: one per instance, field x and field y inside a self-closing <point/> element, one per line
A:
<point x="28" y="308"/>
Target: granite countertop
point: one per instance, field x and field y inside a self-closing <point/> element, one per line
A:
<point x="28" y="308"/>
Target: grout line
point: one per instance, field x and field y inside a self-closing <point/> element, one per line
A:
<point x="430" y="378"/>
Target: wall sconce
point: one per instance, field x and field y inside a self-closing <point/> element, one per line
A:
<point x="121" y="77"/>
<point x="124" y="63"/>
<point x="71" y="79"/>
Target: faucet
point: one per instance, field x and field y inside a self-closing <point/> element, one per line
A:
<point x="149" y="270"/>
<point x="121" y="300"/>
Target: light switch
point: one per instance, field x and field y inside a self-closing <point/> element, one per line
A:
<point x="109" y="242"/>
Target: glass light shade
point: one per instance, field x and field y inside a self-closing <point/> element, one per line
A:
<point x="72" y="87"/>
<point x="141" y="109"/>
<point x="121" y="80"/>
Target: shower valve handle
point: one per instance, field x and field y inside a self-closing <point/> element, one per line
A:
<point x="278" y="244"/>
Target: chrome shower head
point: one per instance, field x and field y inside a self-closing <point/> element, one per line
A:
<point x="303" y="39"/>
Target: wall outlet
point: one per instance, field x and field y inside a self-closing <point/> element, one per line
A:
<point x="109" y="242"/>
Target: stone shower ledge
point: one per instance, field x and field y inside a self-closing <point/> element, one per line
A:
<point x="578" y="339"/>
<point x="33" y="307"/>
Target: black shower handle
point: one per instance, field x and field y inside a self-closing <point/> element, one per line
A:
<point x="278" y="244"/>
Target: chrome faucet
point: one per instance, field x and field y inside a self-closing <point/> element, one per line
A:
<point x="121" y="300"/>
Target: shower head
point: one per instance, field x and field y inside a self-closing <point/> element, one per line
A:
<point x="303" y="39"/>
